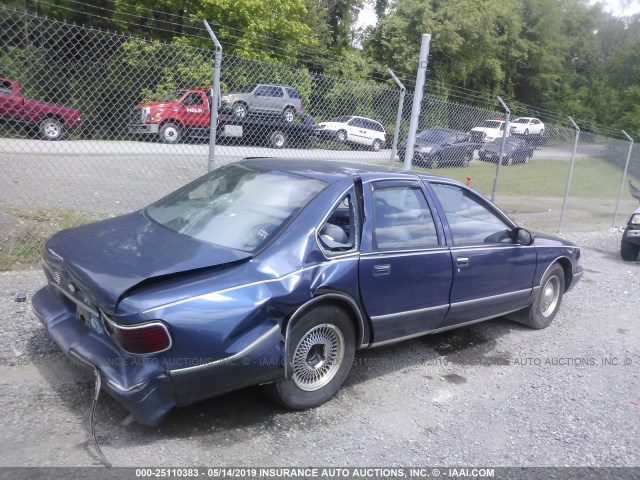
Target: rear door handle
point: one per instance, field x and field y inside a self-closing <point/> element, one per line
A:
<point x="382" y="269"/>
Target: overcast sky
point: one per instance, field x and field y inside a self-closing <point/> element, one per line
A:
<point x="617" y="7"/>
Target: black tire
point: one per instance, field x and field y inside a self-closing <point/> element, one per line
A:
<point x="434" y="162"/>
<point x="467" y="159"/>
<point x="289" y="115"/>
<point x="628" y="251"/>
<point x="324" y="331"/>
<point x="51" y="129"/>
<point x="547" y="301"/>
<point x="377" y="145"/>
<point x="240" y="110"/>
<point x="277" y="139"/>
<point x="341" y="136"/>
<point x="170" y="133"/>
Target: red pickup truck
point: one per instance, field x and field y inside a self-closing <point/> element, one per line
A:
<point x="51" y="120"/>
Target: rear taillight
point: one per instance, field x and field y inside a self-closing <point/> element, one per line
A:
<point x="152" y="337"/>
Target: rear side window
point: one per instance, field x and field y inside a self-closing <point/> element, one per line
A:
<point x="277" y="92"/>
<point x="293" y="93"/>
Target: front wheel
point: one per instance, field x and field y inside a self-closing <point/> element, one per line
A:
<point x="170" y="133"/>
<point x="434" y="162"/>
<point x="322" y="345"/>
<point x="546" y="302"/>
<point x="51" y="129"/>
<point x="240" y="110"/>
<point x="628" y="251"/>
<point x="341" y="136"/>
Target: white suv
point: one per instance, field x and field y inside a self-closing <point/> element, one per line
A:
<point x="527" y="126"/>
<point x="352" y="129"/>
<point x="488" y="131"/>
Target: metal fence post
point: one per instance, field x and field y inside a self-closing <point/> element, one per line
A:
<point x="624" y="174"/>
<point x="417" y="100"/>
<point x="215" y="98"/>
<point x="505" y="133"/>
<point x="568" y="187"/>
<point x="396" y="133"/>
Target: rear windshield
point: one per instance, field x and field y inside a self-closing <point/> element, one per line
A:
<point x="235" y="206"/>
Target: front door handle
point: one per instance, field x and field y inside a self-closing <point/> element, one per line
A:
<point x="382" y="269"/>
<point x="462" y="261"/>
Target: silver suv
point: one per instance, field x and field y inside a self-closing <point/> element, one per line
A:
<point x="263" y="98"/>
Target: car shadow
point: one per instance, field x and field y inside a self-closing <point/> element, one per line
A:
<point x="226" y="418"/>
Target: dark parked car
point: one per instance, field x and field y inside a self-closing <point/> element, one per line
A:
<point x="515" y="151"/>
<point x="630" y="244"/>
<point x="275" y="271"/>
<point x="439" y="146"/>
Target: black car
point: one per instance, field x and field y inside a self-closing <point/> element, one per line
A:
<point x="515" y="151"/>
<point x="440" y="146"/>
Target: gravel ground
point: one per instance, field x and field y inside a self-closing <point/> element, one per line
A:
<point x="493" y="394"/>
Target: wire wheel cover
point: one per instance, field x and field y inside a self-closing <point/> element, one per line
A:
<point x="318" y="357"/>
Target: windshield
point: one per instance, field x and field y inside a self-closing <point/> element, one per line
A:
<point x="246" y="88"/>
<point x="491" y="124"/>
<point x="235" y="206"/>
<point x="173" y="96"/>
<point x="341" y="119"/>
<point x="432" y="136"/>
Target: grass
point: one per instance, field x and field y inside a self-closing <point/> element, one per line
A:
<point x="592" y="178"/>
<point x="29" y="230"/>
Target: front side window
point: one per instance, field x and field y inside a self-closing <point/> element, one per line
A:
<point x="338" y="234"/>
<point x="402" y="219"/>
<point x="192" y="99"/>
<point x="471" y="222"/>
<point x="235" y="206"/>
<point x="263" y="91"/>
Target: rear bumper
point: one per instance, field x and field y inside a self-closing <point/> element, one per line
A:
<point x="138" y="383"/>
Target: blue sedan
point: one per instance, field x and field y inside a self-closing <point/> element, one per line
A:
<point x="273" y="271"/>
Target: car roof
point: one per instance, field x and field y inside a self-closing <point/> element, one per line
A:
<point x="333" y="171"/>
<point x="443" y="130"/>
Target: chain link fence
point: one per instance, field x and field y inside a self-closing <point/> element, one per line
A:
<point x="95" y="124"/>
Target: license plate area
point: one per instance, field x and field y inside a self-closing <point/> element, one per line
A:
<point x="89" y="319"/>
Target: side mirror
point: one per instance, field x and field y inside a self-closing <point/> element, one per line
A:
<point x="523" y="236"/>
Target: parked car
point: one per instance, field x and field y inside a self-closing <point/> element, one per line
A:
<point x="264" y="99"/>
<point x="515" y="151"/>
<point x="630" y="243"/>
<point x="439" y="146"/>
<point x="488" y="131"/>
<point x="275" y="271"/>
<point x="527" y="126"/>
<point x="353" y="129"/>
<point x="274" y="132"/>
<point x="52" y="121"/>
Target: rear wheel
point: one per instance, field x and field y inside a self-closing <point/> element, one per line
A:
<point x="51" y="129"/>
<point x="377" y="144"/>
<point x="322" y="345"/>
<point x="546" y="302"/>
<point x="628" y="251"/>
<point x="526" y="131"/>
<point x="277" y="139"/>
<point x="289" y="115"/>
<point x="466" y="159"/>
